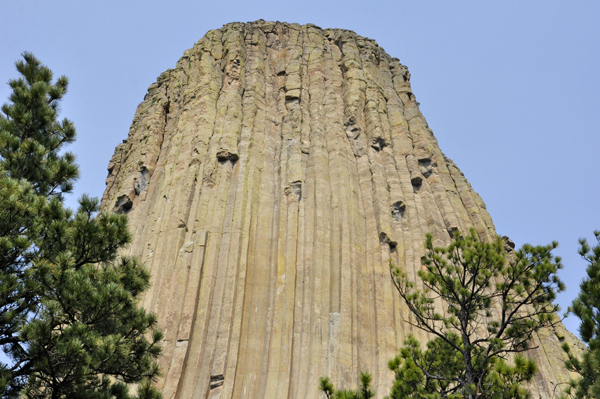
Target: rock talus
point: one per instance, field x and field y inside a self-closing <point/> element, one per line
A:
<point x="269" y="178"/>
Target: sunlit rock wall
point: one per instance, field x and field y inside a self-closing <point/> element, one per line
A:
<point x="269" y="178"/>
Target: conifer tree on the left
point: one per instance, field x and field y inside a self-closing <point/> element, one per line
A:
<point x="70" y="322"/>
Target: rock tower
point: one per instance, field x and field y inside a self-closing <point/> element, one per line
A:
<point x="268" y="178"/>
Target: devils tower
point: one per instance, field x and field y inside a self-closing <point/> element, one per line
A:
<point x="269" y="178"/>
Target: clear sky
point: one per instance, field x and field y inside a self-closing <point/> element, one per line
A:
<point x="511" y="89"/>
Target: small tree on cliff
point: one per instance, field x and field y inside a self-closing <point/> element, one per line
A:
<point x="69" y="319"/>
<point x="587" y="307"/>
<point x="481" y="307"/>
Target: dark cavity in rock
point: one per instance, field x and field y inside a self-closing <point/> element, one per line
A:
<point x="123" y="204"/>
<point x="141" y="183"/>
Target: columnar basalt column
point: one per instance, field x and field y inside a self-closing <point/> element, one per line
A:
<point x="269" y="178"/>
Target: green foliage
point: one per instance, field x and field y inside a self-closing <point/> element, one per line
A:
<point x="69" y="318"/>
<point x="587" y="308"/>
<point x="436" y="373"/>
<point x="481" y="306"/>
<point x="30" y="135"/>
<point x="364" y="392"/>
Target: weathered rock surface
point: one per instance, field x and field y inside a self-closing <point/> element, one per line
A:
<point x="269" y="177"/>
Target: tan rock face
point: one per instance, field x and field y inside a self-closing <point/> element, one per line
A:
<point x="269" y="177"/>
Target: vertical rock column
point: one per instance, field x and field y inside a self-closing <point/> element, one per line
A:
<point x="269" y="178"/>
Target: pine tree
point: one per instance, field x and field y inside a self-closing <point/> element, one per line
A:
<point x="492" y="305"/>
<point x="364" y="392"/>
<point x="493" y="302"/>
<point x="587" y="308"/>
<point x="69" y="318"/>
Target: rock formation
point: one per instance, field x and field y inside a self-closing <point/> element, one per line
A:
<point x="268" y="178"/>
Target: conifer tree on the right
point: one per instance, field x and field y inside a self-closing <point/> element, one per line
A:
<point x="587" y="308"/>
<point x="481" y="303"/>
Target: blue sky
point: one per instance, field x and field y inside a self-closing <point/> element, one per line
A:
<point x="511" y="89"/>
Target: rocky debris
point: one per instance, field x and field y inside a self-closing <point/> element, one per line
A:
<point x="294" y="188"/>
<point x="123" y="204"/>
<point x="269" y="178"/>
<point x="216" y="381"/>
<point x="141" y="183"/>
<point x="509" y="245"/>
<point x="224" y="156"/>
<point x="398" y="209"/>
